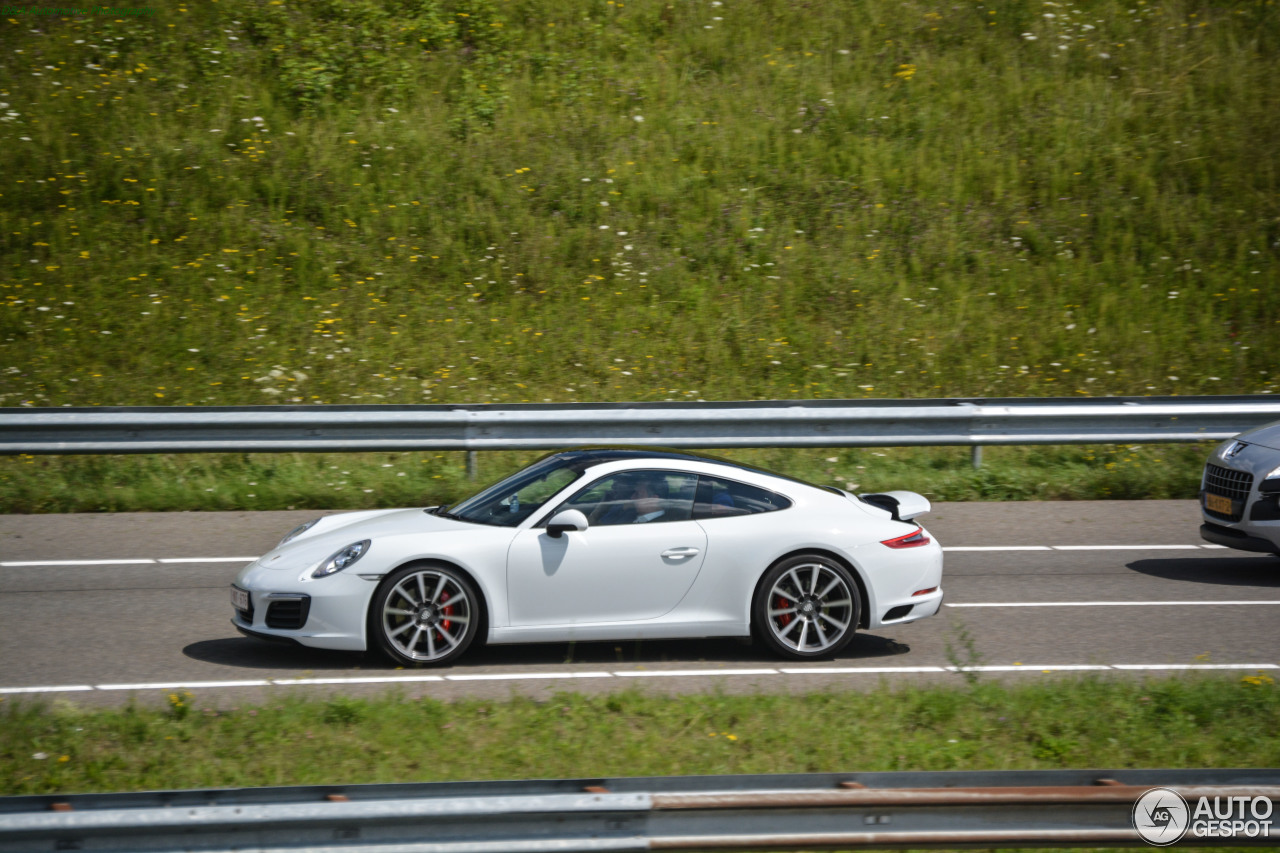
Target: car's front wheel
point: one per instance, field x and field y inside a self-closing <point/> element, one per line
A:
<point x="806" y="607"/>
<point x="424" y="615"/>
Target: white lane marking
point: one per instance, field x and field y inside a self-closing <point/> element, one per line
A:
<point x="1083" y="547"/>
<point x="674" y="673"/>
<point x="1184" y="666"/>
<point x="184" y="685"/>
<point x="1126" y="547"/>
<point x="1026" y="667"/>
<point x="690" y="673"/>
<point x="1106" y="603"/>
<point x="526" y="676"/>
<point x="860" y="670"/>
<point x="144" y="561"/>
<point x="389" y="679"/>
<point x="998" y="548"/>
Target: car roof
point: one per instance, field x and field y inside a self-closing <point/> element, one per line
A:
<point x="587" y="457"/>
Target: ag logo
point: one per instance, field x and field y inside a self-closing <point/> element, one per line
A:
<point x="1161" y="816"/>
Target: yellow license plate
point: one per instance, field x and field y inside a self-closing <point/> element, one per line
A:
<point x="1218" y="503"/>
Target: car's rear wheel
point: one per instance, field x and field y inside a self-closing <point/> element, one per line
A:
<point x="806" y="607"/>
<point x="424" y="615"/>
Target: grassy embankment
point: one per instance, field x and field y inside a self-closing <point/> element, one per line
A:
<point x="1208" y="722"/>
<point x="484" y="201"/>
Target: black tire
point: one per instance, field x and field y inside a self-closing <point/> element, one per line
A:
<point x="424" y="614"/>
<point x="806" y="607"/>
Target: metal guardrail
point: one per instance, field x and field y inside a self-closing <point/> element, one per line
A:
<point x="789" y="812"/>
<point x="810" y="423"/>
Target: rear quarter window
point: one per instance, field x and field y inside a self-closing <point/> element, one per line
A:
<point x="717" y="498"/>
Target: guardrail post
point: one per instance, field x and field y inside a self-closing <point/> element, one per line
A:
<point x="471" y="465"/>
<point x="977" y="456"/>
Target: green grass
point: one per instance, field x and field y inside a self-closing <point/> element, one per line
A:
<point x="1088" y="722"/>
<point x="496" y="201"/>
<point x="242" y="217"/>
<point x="379" y="480"/>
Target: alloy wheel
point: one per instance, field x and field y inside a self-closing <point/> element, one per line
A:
<point x="426" y="616"/>
<point x="811" y="608"/>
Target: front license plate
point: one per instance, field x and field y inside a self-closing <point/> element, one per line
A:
<point x="1218" y="503"/>
<point x="239" y="598"/>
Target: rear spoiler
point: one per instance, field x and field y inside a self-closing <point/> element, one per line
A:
<point x="903" y="506"/>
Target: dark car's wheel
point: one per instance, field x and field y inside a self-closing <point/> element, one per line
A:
<point x="806" y="607"/>
<point x="423" y="615"/>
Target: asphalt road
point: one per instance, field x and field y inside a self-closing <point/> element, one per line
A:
<point x="1034" y="590"/>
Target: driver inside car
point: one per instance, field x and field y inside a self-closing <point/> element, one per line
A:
<point x="642" y="504"/>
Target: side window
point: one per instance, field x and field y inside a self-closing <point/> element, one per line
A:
<point x="535" y="494"/>
<point x="724" y="498"/>
<point x="636" y="497"/>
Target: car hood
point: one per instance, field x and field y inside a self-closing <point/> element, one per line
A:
<point x="1264" y="436"/>
<point x="334" y="532"/>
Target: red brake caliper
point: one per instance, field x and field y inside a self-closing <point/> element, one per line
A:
<point x="784" y="619"/>
<point x="446" y="611"/>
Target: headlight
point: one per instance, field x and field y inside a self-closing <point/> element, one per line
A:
<point x="342" y="559"/>
<point x="1274" y="475"/>
<point x="298" y="531"/>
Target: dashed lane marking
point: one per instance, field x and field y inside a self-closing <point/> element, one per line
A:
<point x="26" y="563"/>
<point x="525" y="676"/>
<point x="689" y="673"/>
<point x="1236" y="603"/>
<point x="675" y="673"/>
<point x="1126" y="547"/>
<point x="139" y="561"/>
<point x="999" y="548"/>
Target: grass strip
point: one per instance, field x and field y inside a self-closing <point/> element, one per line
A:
<point x="1064" y="723"/>
<point x="262" y="481"/>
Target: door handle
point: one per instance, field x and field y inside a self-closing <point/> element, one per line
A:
<point x="680" y="552"/>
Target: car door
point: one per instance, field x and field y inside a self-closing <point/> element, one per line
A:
<point x="623" y="568"/>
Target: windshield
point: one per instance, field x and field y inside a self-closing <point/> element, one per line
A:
<point x="510" y="501"/>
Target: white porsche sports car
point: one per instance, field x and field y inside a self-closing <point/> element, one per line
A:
<point x="602" y="544"/>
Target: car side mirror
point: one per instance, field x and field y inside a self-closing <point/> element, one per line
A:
<point x="569" y="519"/>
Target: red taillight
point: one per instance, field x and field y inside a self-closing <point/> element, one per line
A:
<point x="924" y="591"/>
<point x="910" y="540"/>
